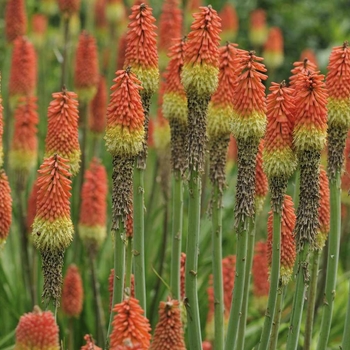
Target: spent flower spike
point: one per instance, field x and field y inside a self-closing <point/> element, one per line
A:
<point x="5" y="207"/>
<point x="15" y="19"/>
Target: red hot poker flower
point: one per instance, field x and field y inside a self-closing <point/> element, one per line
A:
<point x="39" y="27"/>
<point x="310" y="55"/>
<point x="288" y="250"/>
<point x="130" y="328"/>
<point x="300" y="68"/>
<point x="62" y="129"/>
<point x="5" y="207"/>
<point x="260" y="270"/>
<point x="258" y="29"/>
<point x="98" y="108"/>
<point x="72" y="293"/>
<point x="69" y="7"/>
<point x="229" y="23"/>
<point x="15" y="19"/>
<point x="37" y="330"/>
<point x="90" y="344"/>
<point x="273" y="50"/>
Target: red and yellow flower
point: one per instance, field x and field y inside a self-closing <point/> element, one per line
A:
<point x="5" y="207"/>
<point x="258" y="30"/>
<point x="273" y="49"/>
<point x="229" y="23"/>
<point x="15" y="19"/>
<point x="98" y="108"/>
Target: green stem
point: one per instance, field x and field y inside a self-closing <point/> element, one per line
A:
<point x="119" y="268"/>
<point x="139" y="237"/>
<point x="177" y="223"/>
<point x="217" y="269"/>
<point x="277" y="320"/>
<point x="194" y="207"/>
<point x="333" y="257"/>
<point x="274" y="282"/>
<point x="346" y="334"/>
<point x="238" y="291"/>
<point x="311" y="300"/>
<point x="244" y="312"/>
<point x="71" y="333"/>
<point x="64" y="78"/>
<point x="128" y="269"/>
<point x="84" y="117"/>
<point x="298" y="302"/>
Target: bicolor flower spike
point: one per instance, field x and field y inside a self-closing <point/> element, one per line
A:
<point x="92" y="222"/>
<point x="15" y="19"/>
<point x="288" y="250"/>
<point x="273" y="49"/>
<point x="24" y="148"/>
<point x="261" y="184"/>
<point x="230" y="23"/>
<point x="141" y="51"/>
<point x="131" y="329"/>
<point x="72" y="293"/>
<point x="301" y="68"/>
<point x="86" y="75"/>
<point x="249" y="97"/>
<point x="258" y="30"/>
<point x="69" y="7"/>
<point x="125" y="118"/>
<point x="279" y="158"/>
<point x="5" y="207"/>
<point x="39" y="24"/>
<point x="62" y="129"/>
<point x="98" y="108"/>
<point x="52" y="228"/>
<point x="169" y="331"/>
<point x="310" y="55"/>
<point x="201" y="58"/>
<point x="37" y="330"/>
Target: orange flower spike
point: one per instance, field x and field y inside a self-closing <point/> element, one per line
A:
<point x="5" y="207"/>
<point x="279" y="158"/>
<point x="23" y="153"/>
<point x="174" y="99"/>
<point x="201" y="54"/>
<point x="15" y="19"/>
<point x="110" y="287"/>
<point x="249" y="97"/>
<point x="169" y="331"/>
<point x="23" y="73"/>
<point x="39" y="28"/>
<point x="229" y="23"/>
<point x="261" y="185"/>
<point x="121" y="51"/>
<point x="100" y="15"/>
<point x="31" y="205"/>
<point x="258" y="30"/>
<point x="125" y="132"/>
<point x="310" y="129"/>
<point x="62" y="129"/>
<point x="98" y="108"/>
<point x="310" y="55"/>
<point x="220" y="110"/>
<point x="92" y="222"/>
<point x="260" y="270"/>
<point x="86" y="75"/>
<point x="90" y="344"/>
<point x="69" y="7"/>
<point x="323" y="210"/>
<point x="37" y="330"/>
<point x="130" y="328"/>
<point x="72" y="293"/>
<point x="1" y="133"/>
<point x="273" y="49"/>
<point x="141" y="51"/>
<point x="288" y="250"/>
<point x="301" y="68"/>
<point x="115" y="11"/>
<point x="52" y="228"/>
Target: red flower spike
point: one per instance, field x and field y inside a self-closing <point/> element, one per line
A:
<point x="52" y="228"/>
<point x="72" y="293"/>
<point x="90" y="344"/>
<point x="15" y="19"/>
<point x="5" y="207"/>
<point x="125" y="117"/>
<point x="37" y="330"/>
<point x="98" y="108"/>
<point x="229" y="23"/>
<point x="288" y="250"/>
<point x="258" y="28"/>
<point x="260" y="270"/>
<point x="39" y="28"/>
<point x="249" y="96"/>
<point x="324" y="215"/>
<point x="1" y="133"/>
<point x="261" y="185"/>
<point x="62" y="128"/>
<point x="169" y="331"/>
<point x="310" y="128"/>
<point x="130" y="328"/>
<point x="69" y="7"/>
<point x="100" y="14"/>
<point x="24" y="148"/>
<point x="201" y="53"/>
<point x="273" y="49"/>
<point x="206" y="346"/>
<point x="121" y="51"/>
<point x="141" y="51"/>
<point x="86" y="75"/>
<point x="279" y="157"/>
<point x="31" y="205"/>
<point x="310" y="55"/>
<point x="23" y="73"/>
<point x="301" y="68"/>
<point x="92" y="222"/>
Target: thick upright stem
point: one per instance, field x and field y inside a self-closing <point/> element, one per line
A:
<point x="84" y="117"/>
<point x="346" y="334"/>
<point x="333" y="257"/>
<point x="217" y="268"/>
<point x="274" y="282"/>
<point x="191" y="270"/>
<point x="298" y="302"/>
<point x="177" y="223"/>
<point x="139" y="239"/>
<point x="238" y="291"/>
<point x="128" y="268"/>
<point x="277" y="320"/>
<point x="311" y="300"/>
<point x="65" y="51"/>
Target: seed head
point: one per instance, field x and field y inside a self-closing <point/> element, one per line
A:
<point x="15" y="19"/>
<point x="98" y="108"/>
<point x="5" y="207"/>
